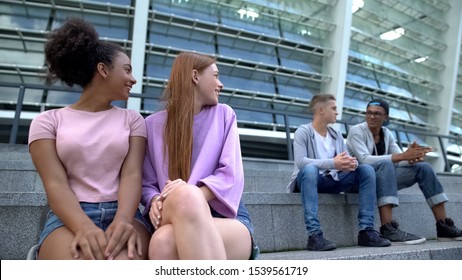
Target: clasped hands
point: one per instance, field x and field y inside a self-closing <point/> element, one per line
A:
<point x="92" y="243"/>
<point x="344" y="162"/>
<point x="416" y="153"/>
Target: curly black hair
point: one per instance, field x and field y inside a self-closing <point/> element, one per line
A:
<point x="73" y="51"/>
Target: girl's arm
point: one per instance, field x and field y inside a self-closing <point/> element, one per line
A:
<point x="122" y="232"/>
<point x="89" y="239"/>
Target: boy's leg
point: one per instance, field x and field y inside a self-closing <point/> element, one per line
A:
<point x="307" y="181"/>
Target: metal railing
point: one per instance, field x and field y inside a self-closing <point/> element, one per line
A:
<point x="285" y="127"/>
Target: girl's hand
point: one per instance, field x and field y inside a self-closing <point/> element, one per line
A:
<point x="169" y="186"/>
<point x="122" y="233"/>
<point x="155" y="212"/>
<point x="89" y="243"/>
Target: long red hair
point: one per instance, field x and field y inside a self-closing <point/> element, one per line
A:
<point x="179" y="96"/>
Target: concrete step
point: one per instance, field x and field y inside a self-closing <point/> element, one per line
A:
<point x="264" y="175"/>
<point x="14" y="152"/>
<point x="279" y="224"/>
<point x="277" y="219"/>
<point x="276" y="215"/>
<point x="261" y="175"/>
<point x="430" y="250"/>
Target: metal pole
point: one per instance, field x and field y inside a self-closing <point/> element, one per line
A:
<point x="447" y="168"/>
<point x="17" y="116"/>
<point x="290" y="154"/>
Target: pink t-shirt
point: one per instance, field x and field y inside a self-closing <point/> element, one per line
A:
<point x="91" y="146"/>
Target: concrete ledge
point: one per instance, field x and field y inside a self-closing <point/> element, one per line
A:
<point x="279" y="224"/>
<point x="277" y="216"/>
<point x="430" y="250"/>
<point x="20" y="229"/>
<point x="277" y="219"/>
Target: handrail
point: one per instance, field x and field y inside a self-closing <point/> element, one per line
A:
<point x="285" y="114"/>
<point x="17" y="115"/>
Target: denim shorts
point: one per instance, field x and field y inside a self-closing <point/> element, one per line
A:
<point x="243" y="217"/>
<point x="102" y="214"/>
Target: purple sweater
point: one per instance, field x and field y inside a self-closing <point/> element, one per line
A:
<point x="216" y="158"/>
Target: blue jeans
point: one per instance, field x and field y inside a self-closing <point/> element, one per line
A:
<point x="102" y="214"/>
<point x="406" y="176"/>
<point x="310" y="183"/>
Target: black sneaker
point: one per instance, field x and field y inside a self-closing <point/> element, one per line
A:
<point x="392" y="232"/>
<point x="370" y="238"/>
<point x="447" y="231"/>
<point x="317" y="242"/>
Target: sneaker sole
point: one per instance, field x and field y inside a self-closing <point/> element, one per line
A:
<point x="450" y="238"/>
<point x="326" y="249"/>
<point x="409" y="242"/>
<point x="383" y="244"/>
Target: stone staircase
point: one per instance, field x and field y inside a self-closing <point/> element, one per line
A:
<point x="280" y="231"/>
<point x="276" y="215"/>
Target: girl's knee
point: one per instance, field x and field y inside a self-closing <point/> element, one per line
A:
<point x="186" y="202"/>
<point x="162" y="245"/>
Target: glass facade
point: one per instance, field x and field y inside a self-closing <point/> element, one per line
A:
<point x="273" y="56"/>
